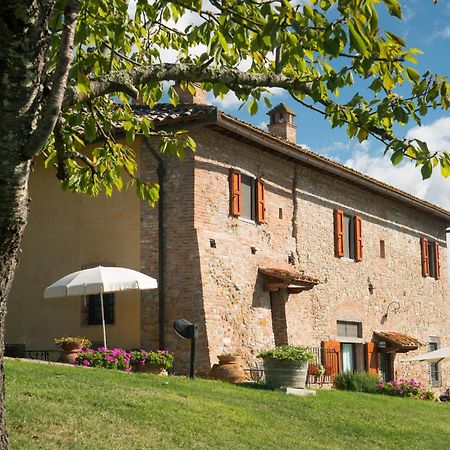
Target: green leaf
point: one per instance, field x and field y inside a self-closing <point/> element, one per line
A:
<point x="413" y="75"/>
<point x="397" y="157"/>
<point x="253" y="107"/>
<point x="356" y="41"/>
<point x="362" y="134"/>
<point x="90" y="129"/>
<point x="426" y="170"/>
<point x="394" y="8"/>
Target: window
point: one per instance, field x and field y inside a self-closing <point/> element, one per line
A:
<point x="433" y="368"/>
<point x="349" y="329"/>
<point x="246" y="196"/>
<point x="382" y="249"/>
<point x="351" y="357"/>
<point x="95" y="310"/>
<point x="348" y="235"/>
<point x="430" y="258"/>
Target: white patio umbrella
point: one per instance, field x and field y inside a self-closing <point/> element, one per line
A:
<point x="100" y="280"/>
<point x="441" y="354"/>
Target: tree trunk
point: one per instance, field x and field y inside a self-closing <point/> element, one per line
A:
<point x="24" y="35"/>
<point x="13" y="217"/>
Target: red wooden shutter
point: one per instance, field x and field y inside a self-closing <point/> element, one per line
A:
<point x="371" y="357"/>
<point x="235" y="193"/>
<point x="358" y="238"/>
<point x="438" y="264"/>
<point x="331" y="357"/>
<point x="424" y="250"/>
<point x="339" y="232"/>
<point x="260" y="201"/>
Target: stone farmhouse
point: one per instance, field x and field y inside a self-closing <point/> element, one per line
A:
<point x="258" y="241"/>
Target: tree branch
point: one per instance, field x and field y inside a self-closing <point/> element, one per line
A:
<point x="122" y="81"/>
<point x="50" y="115"/>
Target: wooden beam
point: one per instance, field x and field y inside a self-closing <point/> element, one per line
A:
<point x="271" y="287"/>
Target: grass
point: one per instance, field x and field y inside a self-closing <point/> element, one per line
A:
<point x="56" y="407"/>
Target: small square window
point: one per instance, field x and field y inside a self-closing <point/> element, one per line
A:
<point x="349" y="329"/>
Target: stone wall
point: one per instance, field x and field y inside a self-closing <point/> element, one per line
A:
<point x="299" y="203"/>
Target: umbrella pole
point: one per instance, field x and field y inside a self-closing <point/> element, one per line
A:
<point x="103" y="319"/>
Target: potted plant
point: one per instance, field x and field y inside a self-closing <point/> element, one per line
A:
<point x="71" y="346"/>
<point x="151" y="362"/>
<point x="229" y="369"/>
<point x="286" y="366"/>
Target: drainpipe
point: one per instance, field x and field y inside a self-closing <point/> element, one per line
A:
<point x="160" y="171"/>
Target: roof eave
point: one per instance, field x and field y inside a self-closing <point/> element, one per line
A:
<point x="293" y="151"/>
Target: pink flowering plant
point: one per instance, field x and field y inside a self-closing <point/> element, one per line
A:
<point x="108" y="358"/>
<point x="119" y="359"/>
<point x="405" y="388"/>
<point x="161" y="359"/>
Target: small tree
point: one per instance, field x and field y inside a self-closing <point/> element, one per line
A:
<point x="66" y="63"/>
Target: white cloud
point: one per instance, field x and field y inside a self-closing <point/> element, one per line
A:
<point x="445" y="33"/>
<point x="406" y="176"/>
<point x="262" y="125"/>
<point x="436" y="135"/>
<point x="229" y="101"/>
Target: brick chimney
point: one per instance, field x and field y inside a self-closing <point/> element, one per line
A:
<point x="186" y="97"/>
<point x="282" y="123"/>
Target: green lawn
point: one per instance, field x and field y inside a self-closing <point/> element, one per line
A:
<point x="55" y="407"/>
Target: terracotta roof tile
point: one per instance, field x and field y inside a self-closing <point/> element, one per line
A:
<point x="402" y="341"/>
<point x="288" y="276"/>
<point x="166" y="112"/>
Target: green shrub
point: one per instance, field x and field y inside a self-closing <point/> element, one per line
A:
<point x="357" y="381"/>
<point x="291" y="353"/>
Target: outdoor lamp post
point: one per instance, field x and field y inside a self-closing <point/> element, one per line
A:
<point x="188" y="330"/>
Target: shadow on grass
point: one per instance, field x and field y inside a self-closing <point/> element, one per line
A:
<point x="257" y="386"/>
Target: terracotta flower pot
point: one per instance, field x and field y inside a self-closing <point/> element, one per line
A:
<point x="70" y="352"/>
<point x="228" y="369"/>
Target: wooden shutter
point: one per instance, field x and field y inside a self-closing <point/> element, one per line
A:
<point x="235" y="193"/>
<point x="331" y="357"/>
<point x="339" y="232"/>
<point x="437" y="262"/>
<point x="371" y="357"/>
<point x="424" y="251"/>
<point x="260" y="217"/>
<point x="358" y="238"/>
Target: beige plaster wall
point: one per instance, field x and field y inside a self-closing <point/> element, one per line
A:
<point x="66" y="231"/>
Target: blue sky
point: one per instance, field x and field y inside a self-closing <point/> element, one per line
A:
<point x="425" y="26"/>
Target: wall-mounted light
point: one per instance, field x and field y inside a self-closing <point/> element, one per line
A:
<point x="212" y="243"/>
<point x="394" y="307"/>
<point x="371" y="288"/>
<point x="382" y="344"/>
<point x="253" y="250"/>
